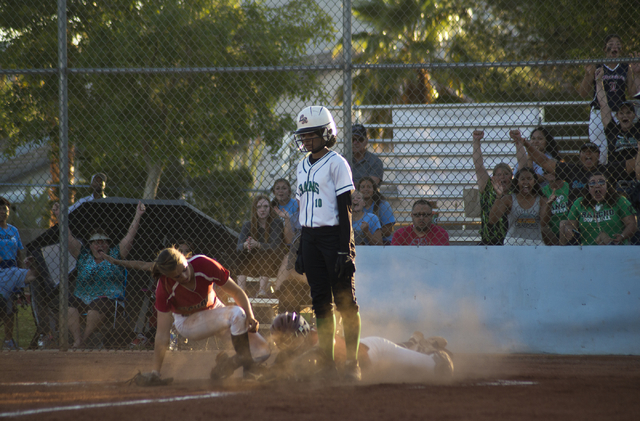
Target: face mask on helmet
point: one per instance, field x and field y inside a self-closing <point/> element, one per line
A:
<point x="315" y="119"/>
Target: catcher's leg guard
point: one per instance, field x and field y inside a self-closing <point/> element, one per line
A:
<point x="225" y="366"/>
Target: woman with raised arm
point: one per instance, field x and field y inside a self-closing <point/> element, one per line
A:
<point x="492" y="188"/>
<point x="185" y="297"/>
<point x="525" y="209"/>
<point x="541" y="140"/>
<point x="99" y="283"/>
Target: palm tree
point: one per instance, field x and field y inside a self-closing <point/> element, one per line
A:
<point x="403" y="32"/>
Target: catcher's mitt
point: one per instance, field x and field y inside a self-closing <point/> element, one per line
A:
<point x="150" y="379"/>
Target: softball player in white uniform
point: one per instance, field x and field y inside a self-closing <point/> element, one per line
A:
<point x="419" y="359"/>
<point x="327" y="248"/>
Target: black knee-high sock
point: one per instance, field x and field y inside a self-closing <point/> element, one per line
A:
<point x="243" y="351"/>
<point x="351" y="325"/>
<point x="326" y="334"/>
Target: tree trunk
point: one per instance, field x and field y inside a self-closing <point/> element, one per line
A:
<point x="54" y="170"/>
<point x="154" y="171"/>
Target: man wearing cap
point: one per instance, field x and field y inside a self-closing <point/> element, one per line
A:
<point x="577" y="175"/>
<point x="364" y="163"/>
<point x="98" y="182"/>
<point x="622" y="136"/>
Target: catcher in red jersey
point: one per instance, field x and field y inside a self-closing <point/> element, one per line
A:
<point x="185" y="297"/>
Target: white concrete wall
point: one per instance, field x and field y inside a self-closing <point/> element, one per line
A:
<point x="565" y="300"/>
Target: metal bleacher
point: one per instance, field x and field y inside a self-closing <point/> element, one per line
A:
<point x="430" y="154"/>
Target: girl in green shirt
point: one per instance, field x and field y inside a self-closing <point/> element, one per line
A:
<point x="601" y="217"/>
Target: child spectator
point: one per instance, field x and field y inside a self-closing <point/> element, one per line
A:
<point x="375" y="203"/>
<point x="366" y="226"/>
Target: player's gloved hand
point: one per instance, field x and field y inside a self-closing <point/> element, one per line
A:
<point x="344" y="265"/>
<point x="299" y="265"/>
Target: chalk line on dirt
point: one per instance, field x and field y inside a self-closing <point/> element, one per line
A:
<point x="112" y="404"/>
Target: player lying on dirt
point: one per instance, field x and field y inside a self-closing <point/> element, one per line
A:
<point x="185" y="297"/>
<point x="419" y="359"/>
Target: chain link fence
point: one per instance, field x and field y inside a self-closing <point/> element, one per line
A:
<point x="188" y="107"/>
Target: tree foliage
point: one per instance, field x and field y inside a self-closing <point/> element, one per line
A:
<point x="148" y="120"/>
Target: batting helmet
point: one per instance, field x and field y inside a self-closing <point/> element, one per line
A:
<point x="316" y="119"/>
<point x="289" y="330"/>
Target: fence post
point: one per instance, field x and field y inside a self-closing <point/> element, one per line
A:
<point x="346" y="78"/>
<point x="64" y="174"/>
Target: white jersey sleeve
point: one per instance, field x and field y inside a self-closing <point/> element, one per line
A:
<point x="318" y="188"/>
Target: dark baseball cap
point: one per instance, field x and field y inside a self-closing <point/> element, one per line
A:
<point x="590" y="145"/>
<point x="630" y="104"/>
<point x="358" y="130"/>
<point x="102" y="176"/>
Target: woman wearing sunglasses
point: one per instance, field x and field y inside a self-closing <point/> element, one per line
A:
<point x="601" y="217"/>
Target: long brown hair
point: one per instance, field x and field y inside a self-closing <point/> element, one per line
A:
<point x="255" y="225"/>
<point x="376" y="196"/>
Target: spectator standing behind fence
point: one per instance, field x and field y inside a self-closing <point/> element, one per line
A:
<point x="623" y="135"/>
<point x="577" y="175"/>
<point x="618" y="81"/>
<point x="423" y="232"/>
<point x="365" y="163"/>
<point x="366" y="226"/>
<point x="557" y="194"/>
<point x="601" y="217"/>
<point x="99" y="283"/>
<point x="13" y="275"/>
<point x="375" y="203"/>
<point x="542" y="140"/>
<point x="261" y="241"/>
<point x="525" y="210"/>
<point x="490" y="187"/>
<point x="98" y="184"/>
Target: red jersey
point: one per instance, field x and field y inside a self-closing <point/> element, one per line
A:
<point x="175" y="298"/>
<point x="436" y="236"/>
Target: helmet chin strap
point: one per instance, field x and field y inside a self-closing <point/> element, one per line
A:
<point x="319" y="148"/>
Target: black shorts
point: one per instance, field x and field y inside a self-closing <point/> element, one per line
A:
<point x="102" y="305"/>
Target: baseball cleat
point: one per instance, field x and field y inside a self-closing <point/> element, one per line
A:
<point x="352" y="373"/>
